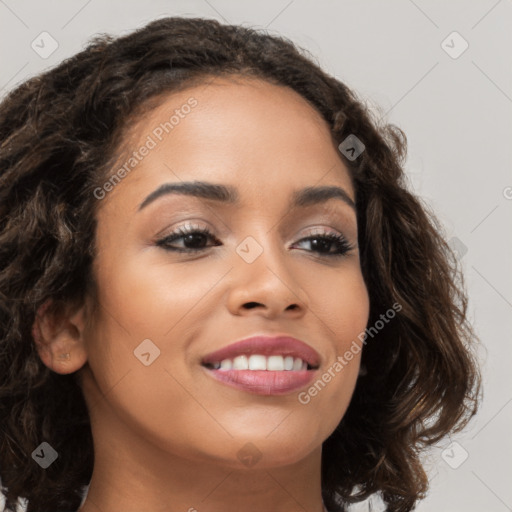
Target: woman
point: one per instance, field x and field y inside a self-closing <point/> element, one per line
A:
<point x="216" y="292"/>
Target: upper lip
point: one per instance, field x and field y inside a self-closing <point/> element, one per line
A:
<point x="266" y="346"/>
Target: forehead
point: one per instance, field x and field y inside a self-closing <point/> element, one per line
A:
<point x="244" y="131"/>
<point x="234" y="107"/>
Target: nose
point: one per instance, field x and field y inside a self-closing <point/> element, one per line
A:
<point x="267" y="287"/>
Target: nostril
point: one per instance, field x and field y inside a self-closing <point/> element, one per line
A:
<point x="251" y="305"/>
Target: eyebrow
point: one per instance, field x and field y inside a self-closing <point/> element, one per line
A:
<point x="227" y="194"/>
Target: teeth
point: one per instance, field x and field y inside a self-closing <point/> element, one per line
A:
<point x="240" y="363"/>
<point x="297" y="364"/>
<point x="274" y="363"/>
<point x="257" y="362"/>
<point x="227" y="364"/>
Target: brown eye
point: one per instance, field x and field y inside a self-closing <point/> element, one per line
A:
<point x="328" y="244"/>
<point x="193" y="239"/>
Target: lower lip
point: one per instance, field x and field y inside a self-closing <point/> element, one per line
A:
<point x="263" y="382"/>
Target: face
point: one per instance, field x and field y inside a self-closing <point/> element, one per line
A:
<point x="180" y="277"/>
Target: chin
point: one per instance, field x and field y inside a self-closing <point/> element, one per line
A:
<point x="271" y="451"/>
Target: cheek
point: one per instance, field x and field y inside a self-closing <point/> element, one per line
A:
<point x="341" y="303"/>
<point x="343" y="308"/>
<point x="152" y="298"/>
<point x="137" y="356"/>
<point x="137" y="349"/>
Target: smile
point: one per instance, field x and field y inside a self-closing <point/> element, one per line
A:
<point x="264" y="365"/>
<point x="273" y="363"/>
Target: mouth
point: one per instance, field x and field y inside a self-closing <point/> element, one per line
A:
<point x="259" y="362"/>
<point x="264" y="365"/>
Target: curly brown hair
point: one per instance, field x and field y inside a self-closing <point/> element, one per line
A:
<point x="61" y="131"/>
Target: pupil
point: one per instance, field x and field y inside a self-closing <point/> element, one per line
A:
<point x="319" y="243"/>
<point x="189" y="239"/>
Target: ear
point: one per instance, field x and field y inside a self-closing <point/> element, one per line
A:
<point x="59" y="337"/>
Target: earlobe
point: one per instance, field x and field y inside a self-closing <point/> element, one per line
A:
<point x="59" y="339"/>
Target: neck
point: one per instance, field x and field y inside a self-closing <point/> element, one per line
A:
<point x="132" y="474"/>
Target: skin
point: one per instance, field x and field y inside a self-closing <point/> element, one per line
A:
<point x="167" y="435"/>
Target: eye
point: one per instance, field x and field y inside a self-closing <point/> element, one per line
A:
<point x="195" y="239"/>
<point x="331" y="245"/>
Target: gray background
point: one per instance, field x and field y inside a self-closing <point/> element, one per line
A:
<point x="456" y="113"/>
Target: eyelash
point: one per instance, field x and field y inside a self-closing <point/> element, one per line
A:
<point x="343" y="245"/>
